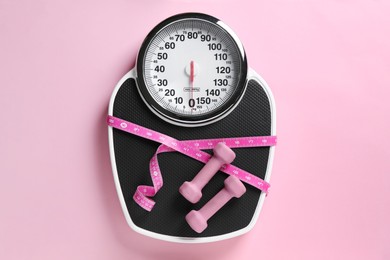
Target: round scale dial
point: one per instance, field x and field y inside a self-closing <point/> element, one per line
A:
<point x="191" y="70"/>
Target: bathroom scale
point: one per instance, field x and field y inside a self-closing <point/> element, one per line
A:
<point x="191" y="89"/>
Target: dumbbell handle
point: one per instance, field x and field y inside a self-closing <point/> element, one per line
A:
<point x="215" y="204"/>
<point x="207" y="172"/>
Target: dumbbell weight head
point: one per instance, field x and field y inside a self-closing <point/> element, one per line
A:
<point x="234" y="186"/>
<point x="190" y="191"/>
<point x="224" y="153"/>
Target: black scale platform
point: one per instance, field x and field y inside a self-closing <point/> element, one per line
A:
<point x="252" y="117"/>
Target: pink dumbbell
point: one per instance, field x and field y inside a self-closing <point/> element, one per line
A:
<point x="198" y="219"/>
<point x="192" y="191"/>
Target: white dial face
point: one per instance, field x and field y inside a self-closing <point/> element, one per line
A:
<point x="192" y="68"/>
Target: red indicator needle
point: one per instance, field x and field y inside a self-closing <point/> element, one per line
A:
<point x="192" y="79"/>
<point x="192" y="71"/>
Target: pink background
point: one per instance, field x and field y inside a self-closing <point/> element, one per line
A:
<point x="327" y="62"/>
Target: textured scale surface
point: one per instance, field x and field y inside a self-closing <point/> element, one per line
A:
<point x="252" y="117"/>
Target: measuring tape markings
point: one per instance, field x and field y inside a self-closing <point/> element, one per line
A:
<point x="191" y="148"/>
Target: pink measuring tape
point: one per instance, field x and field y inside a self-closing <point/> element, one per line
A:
<point x="191" y="148"/>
